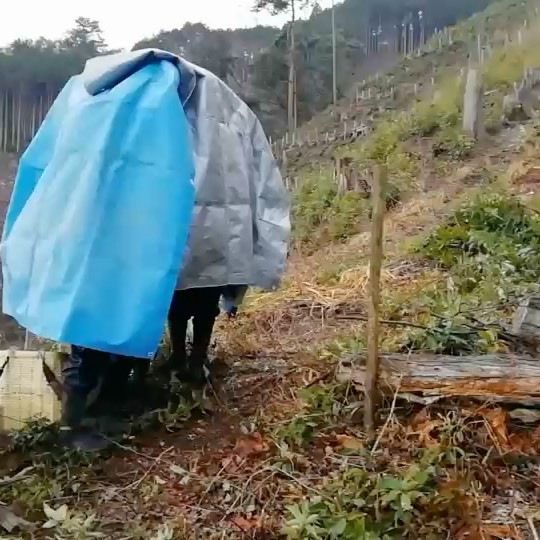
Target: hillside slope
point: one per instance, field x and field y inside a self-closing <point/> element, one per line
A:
<point x="276" y="448"/>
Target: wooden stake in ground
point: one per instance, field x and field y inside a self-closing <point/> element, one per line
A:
<point x="472" y="104"/>
<point x="375" y="265"/>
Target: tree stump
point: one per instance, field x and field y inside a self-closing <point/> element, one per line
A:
<point x="348" y="178"/>
<point x="527" y="320"/>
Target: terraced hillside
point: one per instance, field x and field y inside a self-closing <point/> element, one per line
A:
<point x="276" y="448"/>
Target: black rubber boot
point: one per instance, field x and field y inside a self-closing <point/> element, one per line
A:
<point x="72" y="433"/>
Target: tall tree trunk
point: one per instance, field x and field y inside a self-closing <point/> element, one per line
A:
<point x="19" y="122"/>
<point x="41" y="109"/>
<point x="34" y="116"/>
<point x="2" y="120"/>
<point x="292" y="72"/>
<point x="25" y="122"/>
<point x="295" y="103"/>
<point x="13" y="141"/>
<point x="5" y="115"/>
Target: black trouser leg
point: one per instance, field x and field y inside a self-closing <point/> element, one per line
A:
<point x="81" y="375"/>
<point x="141" y="367"/>
<point x="116" y="378"/>
<point x="205" y="313"/>
<point x="178" y="320"/>
<point x="203" y="305"/>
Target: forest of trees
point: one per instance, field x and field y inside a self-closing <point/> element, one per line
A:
<point x="255" y="62"/>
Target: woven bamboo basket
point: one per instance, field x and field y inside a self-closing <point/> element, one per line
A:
<point x="29" y="387"/>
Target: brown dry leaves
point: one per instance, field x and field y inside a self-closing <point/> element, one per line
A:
<point x="348" y="442"/>
<point x="251" y="446"/>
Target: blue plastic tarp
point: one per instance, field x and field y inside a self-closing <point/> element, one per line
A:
<point x="99" y="217"/>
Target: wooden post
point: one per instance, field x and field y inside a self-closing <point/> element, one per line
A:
<point x="284" y="164"/>
<point x="472" y="104"/>
<point x="375" y="265"/>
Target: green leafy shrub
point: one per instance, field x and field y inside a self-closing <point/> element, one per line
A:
<point x="322" y="404"/>
<point x="504" y="68"/>
<point x="493" y="235"/>
<point x="362" y="505"/>
<point x="443" y="111"/>
<point x="449" y="329"/>
<point x="491" y="247"/>
<point x="453" y="144"/>
<point x="493" y="112"/>
<point x="311" y="203"/>
<point x="345" y="213"/>
<point x="320" y="215"/>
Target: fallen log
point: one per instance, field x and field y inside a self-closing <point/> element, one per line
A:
<point x="428" y="378"/>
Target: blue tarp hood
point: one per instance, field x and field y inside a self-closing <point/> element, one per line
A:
<point x="104" y="72"/>
<point x="99" y="217"/>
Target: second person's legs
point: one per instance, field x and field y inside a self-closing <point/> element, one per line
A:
<point x="179" y="315"/>
<point x="203" y="305"/>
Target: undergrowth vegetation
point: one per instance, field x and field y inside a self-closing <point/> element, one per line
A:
<point x="490" y="248"/>
<point x="320" y="215"/>
<point x="427" y="134"/>
<point x="424" y="481"/>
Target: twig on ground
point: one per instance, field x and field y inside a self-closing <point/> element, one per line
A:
<point x="138" y="482"/>
<point x="242" y="491"/>
<point x="320" y="378"/>
<point x="362" y="318"/>
<point x="19" y="477"/>
<point x="302" y="484"/>
<point x="388" y="420"/>
<point x="215" y="479"/>
<point x="532" y="526"/>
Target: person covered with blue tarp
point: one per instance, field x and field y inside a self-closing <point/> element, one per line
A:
<point x="149" y="192"/>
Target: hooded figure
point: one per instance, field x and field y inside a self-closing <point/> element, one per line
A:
<point x="240" y="224"/>
<point x="240" y="229"/>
